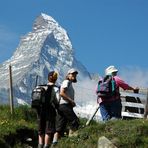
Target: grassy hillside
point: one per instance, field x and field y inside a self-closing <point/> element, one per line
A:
<point x="14" y="131"/>
<point x="123" y="133"/>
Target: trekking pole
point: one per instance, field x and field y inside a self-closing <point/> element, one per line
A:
<point x="92" y="116"/>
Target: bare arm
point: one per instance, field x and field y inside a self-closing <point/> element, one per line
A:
<point x="124" y="85"/>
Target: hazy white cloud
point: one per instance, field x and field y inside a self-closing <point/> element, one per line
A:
<point x="86" y="99"/>
<point x="85" y="92"/>
<point x="135" y="76"/>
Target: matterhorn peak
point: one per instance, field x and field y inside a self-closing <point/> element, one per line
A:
<point x="46" y="48"/>
<point x="47" y="17"/>
<point x="44" y="21"/>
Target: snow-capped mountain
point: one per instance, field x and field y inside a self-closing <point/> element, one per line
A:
<point x="46" y="48"/>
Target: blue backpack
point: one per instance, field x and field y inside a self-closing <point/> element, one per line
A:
<point x="106" y="87"/>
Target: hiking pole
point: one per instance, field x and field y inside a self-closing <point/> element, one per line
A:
<point x="92" y="116"/>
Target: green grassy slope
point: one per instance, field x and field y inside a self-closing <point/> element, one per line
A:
<point x="14" y="130"/>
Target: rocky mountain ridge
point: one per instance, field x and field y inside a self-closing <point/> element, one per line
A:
<point x="46" y="48"/>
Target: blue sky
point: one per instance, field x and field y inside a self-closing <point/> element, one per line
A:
<point x="102" y="32"/>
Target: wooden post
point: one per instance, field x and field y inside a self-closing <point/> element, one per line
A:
<point x="36" y="83"/>
<point x="11" y="90"/>
<point x="146" y="106"/>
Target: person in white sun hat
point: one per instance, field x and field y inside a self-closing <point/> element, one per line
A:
<point x="111" y="108"/>
<point x="111" y="69"/>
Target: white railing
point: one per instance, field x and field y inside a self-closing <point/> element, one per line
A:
<point x="134" y="105"/>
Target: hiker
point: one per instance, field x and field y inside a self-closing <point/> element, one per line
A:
<point x="110" y="108"/>
<point x="66" y="113"/>
<point x="47" y="113"/>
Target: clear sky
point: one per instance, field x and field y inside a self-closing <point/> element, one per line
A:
<point x="102" y="32"/>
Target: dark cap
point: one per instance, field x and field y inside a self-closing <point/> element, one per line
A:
<point x="53" y="74"/>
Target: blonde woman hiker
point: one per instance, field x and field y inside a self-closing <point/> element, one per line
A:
<point x="47" y="113"/>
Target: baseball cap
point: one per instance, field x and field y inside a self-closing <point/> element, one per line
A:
<point x="109" y="70"/>
<point x="72" y="70"/>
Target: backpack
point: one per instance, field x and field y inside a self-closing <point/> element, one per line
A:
<point x="106" y="87"/>
<point x="38" y="96"/>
